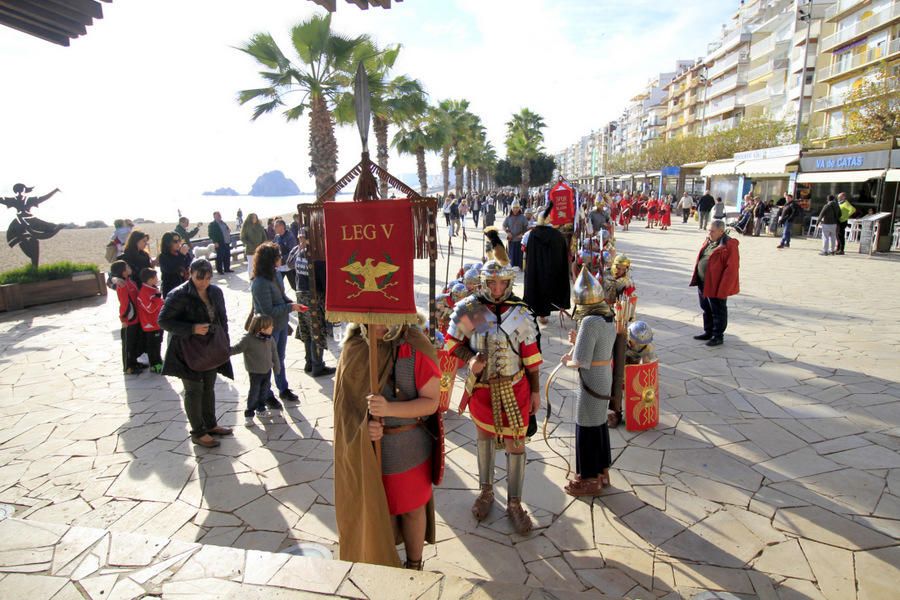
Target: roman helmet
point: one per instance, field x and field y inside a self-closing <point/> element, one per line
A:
<point x="443" y="305"/>
<point x="515" y="204"/>
<point x="640" y="333"/>
<point x="587" y="289"/>
<point x="543" y="219"/>
<point x="458" y="291"/>
<point x="621" y="260"/>
<point x="472" y="278"/>
<point x="494" y="270"/>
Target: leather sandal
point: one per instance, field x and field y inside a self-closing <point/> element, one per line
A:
<point x="483" y="504"/>
<point x="219" y="430"/>
<point x="207" y="441"/>
<point x="585" y="487"/>
<point x="520" y="520"/>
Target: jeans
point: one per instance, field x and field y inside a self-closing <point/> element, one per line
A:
<point x="757" y="226"/>
<point x="260" y="390"/>
<point x="281" y="337"/>
<point x="223" y="257"/>
<point x="153" y="343"/>
<point x="829" y="237"/>
<point x="841" y="235"/>
<point x="685" y="213"/>
<point x="786" y="235"/>
<point x="475" y="217"/>
<point x="200" y="402"/>
<point x="704" y="219"/>
<point x="515" y="253"/>
<point x="715" y="314"/>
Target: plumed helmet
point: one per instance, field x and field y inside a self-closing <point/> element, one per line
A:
<point x="587" y="289"/>
<point x="515" y="204"/>
<point x="497" y="250"/>
<point x="472" y="278"/>
<point x="494" y="270"/>
<point x="640" y="333"/>
<point x="458" y="291"/>
<point x="622" y="260"/>
<point x="603" y="234"/>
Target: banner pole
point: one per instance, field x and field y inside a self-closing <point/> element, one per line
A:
<point x="373" y="380"/>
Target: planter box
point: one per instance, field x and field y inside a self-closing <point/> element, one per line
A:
<point x="15" y="296"/>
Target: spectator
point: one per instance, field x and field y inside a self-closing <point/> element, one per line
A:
<point x="136" y="254"/>
<point x="220" y="235"/>
<point x="515" y="225"/>
<point x="239" y="222"/>
<point x="716" y="277"/>
<point x="120" y="235"/>
<point x="260" y="359"/>
<point x="270" y="229"/>
<point x="759" y="212"/>
<point x="182" y="229"/>
<point x="252" y="235"/>
<point x="197" y="308"/>
<point x="127" y="292"/>
<point x="789" y="212"/>
<point x="149" y="303"/>
<point x="454" y="216"/>
<point x="269" y="298"/>
<point x="704" y="206"/>
<point x="829" y="217"/>
<point x="446" y="210"/>
<point x="174" y="262"/>
<point x="719" y="209"/>
<point x="847" y="212"/>
<point x="311" y="324"/>
<point x="685" y="204"/>
<point x="286" y="242"/>
<point x="476" y="209"/>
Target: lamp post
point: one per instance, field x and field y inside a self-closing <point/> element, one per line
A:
<point x="704" y="81"/>
<point x="803" y="15"/>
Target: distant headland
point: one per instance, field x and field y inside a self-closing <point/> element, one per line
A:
<point x="273" y="183"/>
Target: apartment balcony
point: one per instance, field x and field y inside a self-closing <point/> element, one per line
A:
<point x="814" y="32"/>
<point x="840" y="8"/>
<point x="758" y="97"/>
<point x="726" y="64"/>
<point x="766" y="69"/>
<point x="882" y="18"/>
<point x="763" y="47"/>
<point x="723" y="106"/>
<point x="726" y="85"/>
<point x="722" y="125"/>
<point x="797" y="59"/>
<point x="736" y="37"/>
<point x="829" y="102"/>
<point x="859" y="61"/>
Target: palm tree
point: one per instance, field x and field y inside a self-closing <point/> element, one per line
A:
<point x="524" y="142"/>
<point x="450" y="123"/>
<point x="326" y="62"/>
<point x="392" y="100"/>
<point x="413" y="138"/>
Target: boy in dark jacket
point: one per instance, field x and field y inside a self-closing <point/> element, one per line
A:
<point x="260" y="359"/>
<point x="149" y="303"/>
<point x="120" y="280"/>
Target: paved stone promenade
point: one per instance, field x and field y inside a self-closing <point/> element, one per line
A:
<point x="774" y="472"/>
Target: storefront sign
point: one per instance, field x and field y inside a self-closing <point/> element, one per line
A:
<point x="671" y="171"/>
<point x="845" y="162"/>
<point x="777" y="152"/>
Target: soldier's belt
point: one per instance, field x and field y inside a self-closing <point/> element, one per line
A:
<point x="601" y="363"/>
<point x="403" y="428"/>
<point x="512" y="380"/>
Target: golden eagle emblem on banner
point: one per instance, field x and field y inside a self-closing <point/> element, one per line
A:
<point x="365" y="276"/>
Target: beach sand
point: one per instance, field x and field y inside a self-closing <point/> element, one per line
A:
<point x="84" y="245"/>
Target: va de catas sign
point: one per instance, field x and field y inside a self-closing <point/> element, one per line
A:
<point x="369" y="262"/>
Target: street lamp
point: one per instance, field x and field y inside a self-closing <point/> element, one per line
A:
<point x="803" y="15"/>
<point x="704" y="81"/>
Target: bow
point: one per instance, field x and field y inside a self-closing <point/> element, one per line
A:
<point x="550" y="379"/>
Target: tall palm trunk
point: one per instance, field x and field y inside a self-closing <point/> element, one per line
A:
<point x="469" y="175"/>
<point x="445" y="168"/>
<point x="526" y="177"/>
<point x="380" y="125"/>
<point x="423" y="174"/>
<point x="458" y="166"/>
<point x="323" y="150"/>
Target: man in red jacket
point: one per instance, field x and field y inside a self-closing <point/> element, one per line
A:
<point x="716" y="275"/>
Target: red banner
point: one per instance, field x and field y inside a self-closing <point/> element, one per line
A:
<point x="563" y="198"/>
<point x="641" y="396"/>
<point x="369" y="262"/>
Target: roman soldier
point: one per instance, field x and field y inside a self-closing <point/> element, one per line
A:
<point x="591" y="354"/>
<point x="617" y="280"/>
<point x="546" y="269"/>
<point x="496" y="335"/>
<point x="640" y="348"/>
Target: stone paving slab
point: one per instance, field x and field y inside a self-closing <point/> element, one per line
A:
<point x="784" y="442"/>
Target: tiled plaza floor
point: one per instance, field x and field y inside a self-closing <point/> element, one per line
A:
<point x="774" y="472"/>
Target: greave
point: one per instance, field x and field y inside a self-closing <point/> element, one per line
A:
<point x="515" y="474"/>
<point x="486" y="462"/>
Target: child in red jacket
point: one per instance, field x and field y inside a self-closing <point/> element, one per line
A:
<point x="149" y="303"/>
<point x="127" y="292"/>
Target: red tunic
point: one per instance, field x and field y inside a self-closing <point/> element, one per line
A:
<point x="666" y="214"/>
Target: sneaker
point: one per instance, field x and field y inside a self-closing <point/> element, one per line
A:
<point x="824" y="253"/>
<point x="324" y="372"/>
<point x="249" y="422"/>
<point x="264" y="414"/>
<point x="289" y="396"/>
<point x="273" y="404"/>
<point x="157" y="368"/>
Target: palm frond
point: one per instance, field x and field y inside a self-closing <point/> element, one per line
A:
<point x="263" y="48"/>
<point x="266" y="107"/>
<point x="245" y="96"/>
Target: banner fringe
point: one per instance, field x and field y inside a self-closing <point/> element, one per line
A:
<point x="336" y="316"/>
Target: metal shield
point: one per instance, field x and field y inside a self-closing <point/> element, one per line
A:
<point x="641" y="402"/>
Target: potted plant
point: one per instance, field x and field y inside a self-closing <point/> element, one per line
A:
<point x="55" y="282"/>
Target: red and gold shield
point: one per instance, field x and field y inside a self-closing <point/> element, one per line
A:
<point x="641" y="396"/>
<point x="448" y="365"/>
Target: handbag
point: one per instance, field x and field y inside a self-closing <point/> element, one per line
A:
<point x="206" y="352"/>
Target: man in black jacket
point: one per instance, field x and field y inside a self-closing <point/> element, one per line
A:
<point x="789" y="212"/>
<point x="704" y="206"/>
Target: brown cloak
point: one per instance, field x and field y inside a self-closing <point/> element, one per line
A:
<point x="365" y="528"/>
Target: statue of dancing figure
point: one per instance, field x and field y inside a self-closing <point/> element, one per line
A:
<point x="26" y="229"/>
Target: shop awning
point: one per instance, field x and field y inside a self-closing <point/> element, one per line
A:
<point x="767" y="166"/>
<point x="840" y="176"/>
<point x="720" y="167"/>
<point x="893" y="175"/>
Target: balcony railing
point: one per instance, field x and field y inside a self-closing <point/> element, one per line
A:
<point x="756" y="97"/>
<point x="722" y="125"/>
<point x="778" y="64"/>
<point x="859" y="60"/>
<point x="862" y="27"/>
<point x="722" y="66"/>
<point x="723" y="106"/>
<point x="840" y="7"/>
<point x="726" y="85"/>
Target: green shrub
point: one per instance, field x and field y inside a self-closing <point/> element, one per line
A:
<point x="58" y="270"/>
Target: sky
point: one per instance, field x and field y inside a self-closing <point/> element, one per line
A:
<point x="143" y="107"/>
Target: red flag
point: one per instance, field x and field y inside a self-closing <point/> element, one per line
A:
<point x="563" y="211"/>
<point x="369" y="262"/>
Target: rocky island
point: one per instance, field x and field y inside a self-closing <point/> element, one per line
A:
<point x="274" y="183"/>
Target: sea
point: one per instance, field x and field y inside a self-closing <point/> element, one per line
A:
<point x="199" y="209"/>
